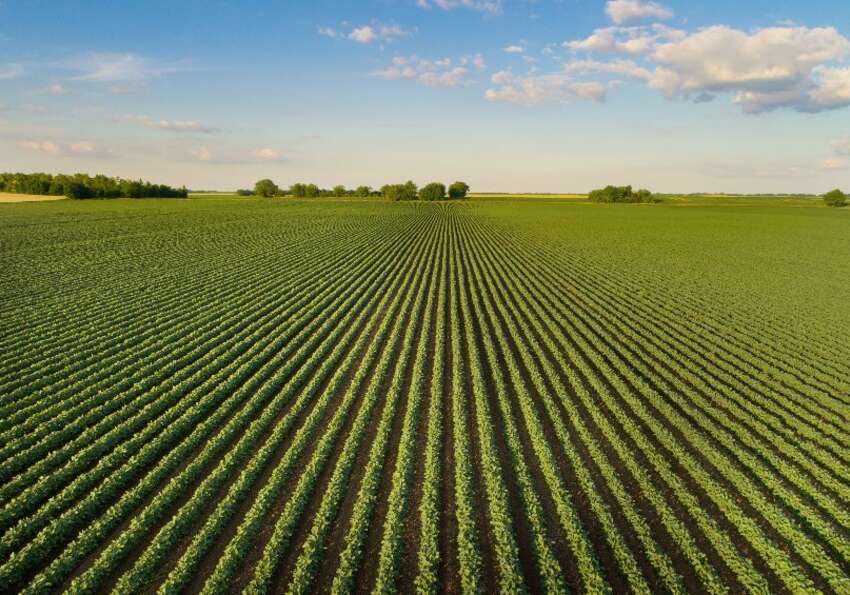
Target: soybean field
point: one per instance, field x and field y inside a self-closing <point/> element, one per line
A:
<point x="529" y="395"/>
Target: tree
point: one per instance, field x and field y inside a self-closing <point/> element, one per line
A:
<point x="835" y="198"/>
<point x="611" y="194"/>
<point x="265" y="188"/>
<point x="406" y="191"/>
<point x="77" y="190"/>
<point x="363" y="191"/>
<point x="391" y="191"/>
<point x="311" y="191"/>
<point x="338" y="190"/>
<point x="245" y="192"/>
<point x="433" y="191"/>
<point x="458" y="190"/>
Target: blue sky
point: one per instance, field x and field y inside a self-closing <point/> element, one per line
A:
<point x="513" y="95"/>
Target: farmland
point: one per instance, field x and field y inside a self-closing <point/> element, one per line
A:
<point x="530" y="394"/>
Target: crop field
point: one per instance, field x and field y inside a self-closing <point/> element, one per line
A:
<point x="539" y="395"/>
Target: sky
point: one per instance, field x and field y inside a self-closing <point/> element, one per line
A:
<point x="507" y="95"/>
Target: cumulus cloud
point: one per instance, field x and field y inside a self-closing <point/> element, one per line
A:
<point x="514" y="49"/>
<point x="170" y="125"/>
<point x="538" y="89"/>
<point x="623" y="11"/>
<point x="363" y="34"/>
<point x="627" y="68"/>
<point x="763" y="70"/>
<point x="488" y="6"/>
<point x="767" y="69"/>
<point x="432" y="73"/>
<point x="367" y="33"/>
<point x="626" y="40"/>
<point x="122" y="67"/>
<point x="831" y="89"/>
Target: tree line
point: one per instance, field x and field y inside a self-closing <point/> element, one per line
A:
<point x="407" y="191"/>
<point x="85" y="186"/>
<point x="611" y="194"/>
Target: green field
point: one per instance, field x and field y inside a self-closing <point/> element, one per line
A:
<point x="500" y="394"/>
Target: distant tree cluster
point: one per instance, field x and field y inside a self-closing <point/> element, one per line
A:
<point x="85" y="186"/>
<point x="432" y="191"/>
<point x="622" y="194"/>
<point x="406" y="191"/>
<point x="835" y="198"/>
<point x="300" y="190"/>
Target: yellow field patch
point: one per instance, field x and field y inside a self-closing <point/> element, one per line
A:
<point x="8" y="197"/>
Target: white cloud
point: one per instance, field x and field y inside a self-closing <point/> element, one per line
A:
<point x="170" y="125"/>
<point x="89" y="149"/>
<point x="44" y="146"/>
<point x="78" y="149"/>
<point x="363" y="34"/>
<point x="488" y="6"/>
<point x="622" y="11"/>
<point x="766" y="69"/>
<point x="122" y="68"/>
<point x="267" y="154"/>
<point x="514" y="49"/>
<point x="202" y="153"/>
<point x="431" y="73"/>
<point x="538" y="89"/>
<point x="626" y="40"/>
<point x="56" y="89"/>
<point x="622" y="67"/>
<point x="475" y="60"/>
<point x="367" y="33"/>
<point x="833" y="163"/>
<point x="831" y="90"/>
<point x="10" y="71"/>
